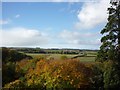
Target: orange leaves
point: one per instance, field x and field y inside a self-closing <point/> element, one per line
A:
<point x="56" y="73"/>
<point x="68" y="73"/>
<point x="29" y="82"/>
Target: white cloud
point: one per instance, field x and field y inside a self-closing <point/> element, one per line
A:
<point x="23" y="37"/>
<point x="92" y="14"/>
<point x="2" y="22"/>
<point x="17" y="16"/>
<point x="76" y="38"/>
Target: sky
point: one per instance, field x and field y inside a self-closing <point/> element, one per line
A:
<point x="55" y="24"/>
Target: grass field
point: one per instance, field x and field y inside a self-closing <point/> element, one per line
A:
<point x="90" y="57"/>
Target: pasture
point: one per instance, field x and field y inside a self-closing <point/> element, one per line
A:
<point x="89" y="57"/>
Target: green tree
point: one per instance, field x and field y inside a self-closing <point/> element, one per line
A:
<point x="110" y="48"/>
<point x="111" y="75"/>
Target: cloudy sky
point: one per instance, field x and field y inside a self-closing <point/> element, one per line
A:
<point x="55" y="24"/>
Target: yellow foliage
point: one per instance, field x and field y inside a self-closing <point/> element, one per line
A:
<point x="68" y="73"/>
<point x="14" y="84"/>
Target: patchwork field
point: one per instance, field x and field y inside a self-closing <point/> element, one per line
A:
<point x="89" y="57"/>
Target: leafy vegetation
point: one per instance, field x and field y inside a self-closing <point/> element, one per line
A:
<point x="59" y="74"/>
<point x="110" y="48"/>
<point x="109" y="53"/>
<point x="9" y="59"/>
<point x="41" y="72"/>
<point x="59" y="69"/>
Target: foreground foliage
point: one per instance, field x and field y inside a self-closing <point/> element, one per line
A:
<point x="44" y="73"/>
<point x="55" y="74"/>
<point x="59" y="74"/>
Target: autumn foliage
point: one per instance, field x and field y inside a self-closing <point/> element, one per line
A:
<point x="59" y="74"/>
<point x="49" y="73"/>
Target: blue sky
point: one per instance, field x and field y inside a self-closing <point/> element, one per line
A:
<point x="40" y="15"/>
<point x="53" y="24"/>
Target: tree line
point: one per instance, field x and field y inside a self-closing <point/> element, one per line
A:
<point x="51" y="51"/>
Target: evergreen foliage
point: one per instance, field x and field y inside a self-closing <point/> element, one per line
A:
<point x="110" y="48"/>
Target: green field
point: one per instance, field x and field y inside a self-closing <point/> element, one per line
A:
<point x="90" y="57"/>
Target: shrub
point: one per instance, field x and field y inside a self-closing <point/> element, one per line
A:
<point x="106" y="75"/>
<point x="16" y="85"/>
<point x="97" y="79"/>
<point x="9" y="55"/>
<point x="64" y="57"/>
<point x="59" y="74"/>
<point x="111" y="75"/>
<point x="8" y="72"/>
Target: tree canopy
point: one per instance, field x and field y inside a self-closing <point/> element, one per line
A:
<point x="110" y="48"/>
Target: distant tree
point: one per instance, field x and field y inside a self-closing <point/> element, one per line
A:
<point x="5" y="53"/>
<point x="110" y="48"/>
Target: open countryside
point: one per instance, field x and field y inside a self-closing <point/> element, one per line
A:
<point x="60" y="45"/>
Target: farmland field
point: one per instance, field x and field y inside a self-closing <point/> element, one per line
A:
<point x="90" y="57"/>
